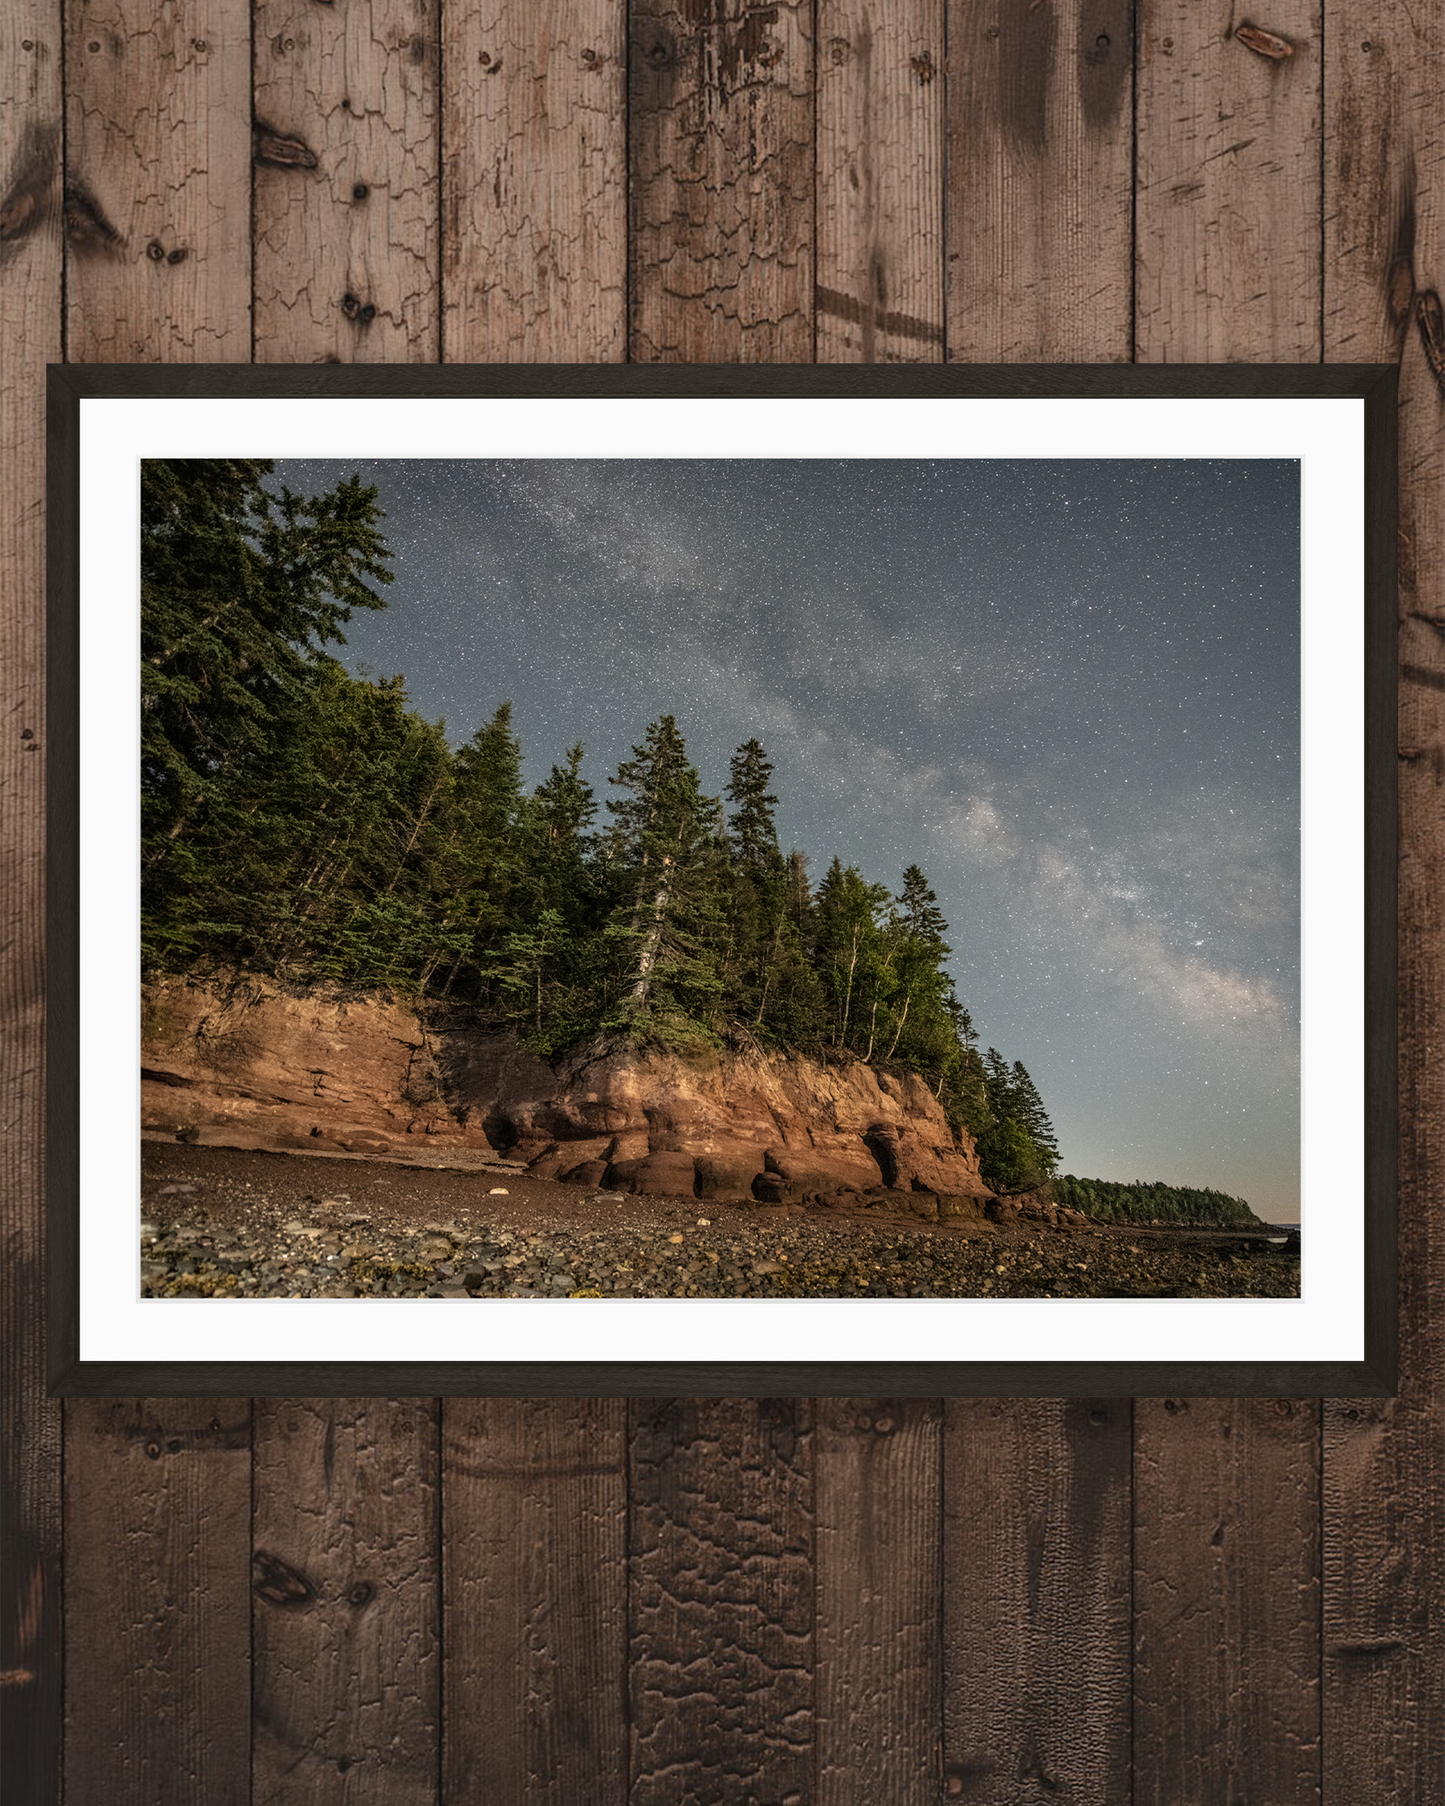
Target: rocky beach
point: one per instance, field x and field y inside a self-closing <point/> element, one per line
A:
<point x="228" y="1223"/>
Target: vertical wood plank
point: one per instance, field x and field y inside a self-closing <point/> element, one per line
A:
<point x="1040" y="181"/>
<point x="879" y="266"/>
<point x="158" y="155"/>
<point x="30" y="1505"/>
<point x="1036" y="1494"/>
<point x="157" y="217"/>
<point x="721" y="1589"/>
<point x="878" y="1537"/>
<point x="1228" y="196"/>
<point x="535" y="256"/>
<point x="1384" y="1459"/>
<point x="346" y="204"/>
<point x="1226" y="1536"/>
<point x="1227" y="1602"/>
<point x="1036" y="1631"/>
<point x="157" y="1650"/>
<point x="721" y="181"/>
<point x="535" y="1535"/>
<point x="345" y="1587"/>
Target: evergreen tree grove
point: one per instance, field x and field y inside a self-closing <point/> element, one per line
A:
<point x="301" y="821"/>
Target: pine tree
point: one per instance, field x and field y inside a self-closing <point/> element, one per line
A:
<point x="489" y="850"/>
<point x="240" y="590"/>
<point x="1030" y="1112"/>
<point x="999" y="1081"/>
<point x="759" y="945"/>
<point x="565" y="803"/>
<point x="919" y="907"/>
<point x="751" y="827"/>
<point x="667" y="841"/>
<point x="559" y="819"/>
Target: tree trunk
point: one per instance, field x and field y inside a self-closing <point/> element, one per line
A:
<point x="901" y="1020"/>
<point x="642" y="985"/>
<point x="848" y="998"/>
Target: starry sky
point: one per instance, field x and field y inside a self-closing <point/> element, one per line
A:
<point x="1068" y="689"/>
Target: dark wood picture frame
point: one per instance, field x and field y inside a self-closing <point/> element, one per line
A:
<point x="1374" y="1375"/>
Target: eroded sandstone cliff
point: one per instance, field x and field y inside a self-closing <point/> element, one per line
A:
<point x="250" y="1064"/>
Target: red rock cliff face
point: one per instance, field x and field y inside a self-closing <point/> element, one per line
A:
<point x="250" y="1064"/>
<point x="728" y="1125"/>
<point x="254" y="1066"/>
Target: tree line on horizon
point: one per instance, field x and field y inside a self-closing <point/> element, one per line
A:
<point x="310" y="824"/>
<point x="1139" y="1201"/>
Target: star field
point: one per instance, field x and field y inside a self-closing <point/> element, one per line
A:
<point x="1069" y="690"/>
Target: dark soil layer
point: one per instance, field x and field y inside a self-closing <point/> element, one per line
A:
<point x="225" y="1224"/>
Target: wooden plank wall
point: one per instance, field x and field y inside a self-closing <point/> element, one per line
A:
<point x="1181" y="1602"/>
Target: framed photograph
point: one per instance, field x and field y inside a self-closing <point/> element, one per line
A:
<point x="828" y="880"/>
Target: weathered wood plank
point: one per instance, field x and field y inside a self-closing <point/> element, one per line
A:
<point x="721" y="181"/>
<point x="1384" y="1460"/>
<point x="1227" y="1549"/>
<point x="345" y="1586"/>
<point x="879" y="1531"/>
<point x="158" y="184"/>
<point x="1226" y="1602"/>
<point x="157" y="222"/>
<point x="1040" y="174"/>
<point x="346" y="205"/>
<point x="721" y="1589"/>
<point x="879" y="268"/>
<point x="1228" y="186"/>
<point x="157" y="1652"/>
<point x="1036" y="1628"/>
<point x="535" y="127"/>
<point x="535" y="1533"/>
<point x="30" y="1505"/>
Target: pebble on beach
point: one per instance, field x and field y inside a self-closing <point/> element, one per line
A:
<point x="259" y="1226"/>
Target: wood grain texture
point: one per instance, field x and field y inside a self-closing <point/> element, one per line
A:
<point x="879" y="268"/>
<point x="1036" y="1629"/>
<point x="877" y="1485"/>
<point x="724" y="1579"/>
<point x="721" y="1588"/>
<point x="1228" y="251"/>
<point x="345" y="1595"/>
<point x="535" y="252"/>
<point x="157" y="1650"/>
<point x="1226" y="1602"/>
<point x="31" y="260"/>
<point x="346" y="205"/>
<point x="1228" y="186"/>
<point x="1040" y="197"/>
<point x="1384" y="1460"/>
<point x="535" y="1539"/>
<point x="157" y="226"/>
<point x="721" y="181"/>
<point x="158" y="186"/>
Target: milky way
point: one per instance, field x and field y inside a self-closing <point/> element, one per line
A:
<point x="1069" y="690"/>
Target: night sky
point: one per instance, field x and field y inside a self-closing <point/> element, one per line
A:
<point x="1069" y="690"/>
